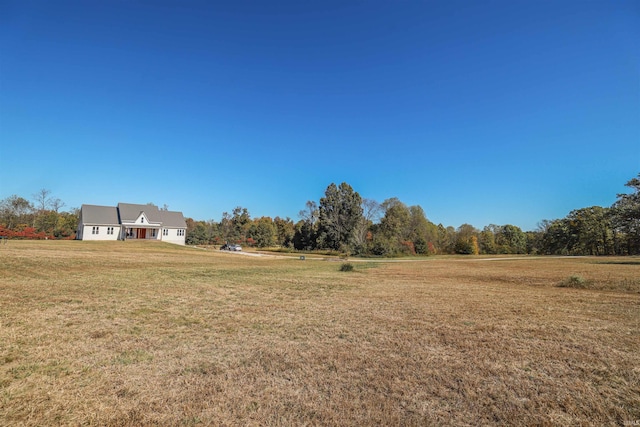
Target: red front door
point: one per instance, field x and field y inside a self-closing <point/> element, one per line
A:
<point x="142" y="233"/>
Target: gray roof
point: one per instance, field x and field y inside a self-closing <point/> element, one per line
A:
<point x="131" y="212"/>
<point x="92" y="214"/>
<point x="110" y="215"/>
<point x="172" y="219"/>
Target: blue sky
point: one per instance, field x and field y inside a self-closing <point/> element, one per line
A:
<point x="481" y="112"/>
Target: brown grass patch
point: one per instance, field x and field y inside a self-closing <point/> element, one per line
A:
<point x="137" y="334"/>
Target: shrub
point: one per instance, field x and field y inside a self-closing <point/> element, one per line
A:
<point x="574" y="282"/>
<point x="347" y="266"/>
<point x="24" y="233"/>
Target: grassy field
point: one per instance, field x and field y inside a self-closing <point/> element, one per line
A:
<point x="114" y="333"/>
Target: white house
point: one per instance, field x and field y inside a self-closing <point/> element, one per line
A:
<point x="128" y="221"/>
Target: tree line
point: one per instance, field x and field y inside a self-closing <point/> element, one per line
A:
<point x="39" y="218"/>
<point x="596" y="230"/>
<point x="343" y="222"/>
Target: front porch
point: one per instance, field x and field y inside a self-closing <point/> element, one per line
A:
<point x="141" y="233"/>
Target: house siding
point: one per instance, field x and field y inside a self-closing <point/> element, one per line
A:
<point x="88" y="232"/>
<point x="172" y="236"/>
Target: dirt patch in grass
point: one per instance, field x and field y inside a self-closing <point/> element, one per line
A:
<point x="112" y="333"/>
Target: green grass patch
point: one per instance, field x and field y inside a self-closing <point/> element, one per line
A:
<point x="131" y="357"/>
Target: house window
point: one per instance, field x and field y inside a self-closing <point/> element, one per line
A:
<point x="141" y="220"/>
<point x="109" y="230"/>
<point x="95" y="230"/>
<point x="180" y="232"/>
<point x="153" y="232"/>
<point x="165" y="232"/>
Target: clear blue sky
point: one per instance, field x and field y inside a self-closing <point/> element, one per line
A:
<point x="503" y="112"/>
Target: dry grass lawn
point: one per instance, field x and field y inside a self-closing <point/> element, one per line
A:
<point x="130" y="334"/>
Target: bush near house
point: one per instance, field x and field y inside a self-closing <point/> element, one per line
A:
<point x="25" y="233"/>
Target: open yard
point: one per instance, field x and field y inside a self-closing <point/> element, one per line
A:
<point x="115" y="333"/>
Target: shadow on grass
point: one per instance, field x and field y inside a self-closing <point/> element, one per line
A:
<point x="634" y="262"/>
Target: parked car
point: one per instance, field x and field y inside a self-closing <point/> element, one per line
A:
<point x="227" y="247"/>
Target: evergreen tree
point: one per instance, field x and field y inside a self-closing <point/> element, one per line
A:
<point x="340" y="212"/>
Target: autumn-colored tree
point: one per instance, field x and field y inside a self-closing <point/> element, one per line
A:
<point x="467" y="240"/>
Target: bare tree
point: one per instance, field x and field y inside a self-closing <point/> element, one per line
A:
<point x="310" y="214"/>
<point x="42" y="199"/>
<point x="371" y="211"/>
<point x="56" y="204"/>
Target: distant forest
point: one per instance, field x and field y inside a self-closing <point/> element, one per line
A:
<point x="343" y="222"/>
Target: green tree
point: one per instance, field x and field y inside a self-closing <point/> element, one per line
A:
<point x="285" y="230"/>
<point x="47" y="221"/>
<point x="625" y="217"/>
<point x="510" y="239"/>
<point x="226" y="228"/>
<point x="196" y="232"/>
<point x="487" y="239"/>
<point x="240" y="221"/>
<point x="395" y="227"/>
<point x="340" y="212"/>
<point x="466" y="240"/>
<point x="212" y="230"/>
<point x="262" y="231"/>
<point x="66" y="224"/>
<point x="15" y="211"/>
<point x="306" y="230"/>
<point x="586" y="231"/>
<point x="305" y="235"/>
<point x="422" y="231"/>
<point x="591" y="231"/>
<point x="446" y="239"/>
<point x="534" y="242"/>
<point x="396" y="222"/>
<point x="381" y="244"/>
<point x="556" y="238"/>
